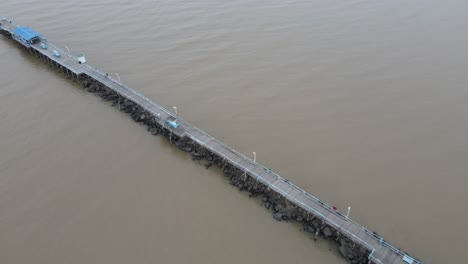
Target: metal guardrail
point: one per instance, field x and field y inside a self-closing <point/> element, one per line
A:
<point x="296" y="201"/>
<point x="104" y="75"/>
<point x="292" y="199"/>
<point x="323" y="204"/>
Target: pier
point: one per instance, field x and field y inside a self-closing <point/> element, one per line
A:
<point x="289" y="202"/>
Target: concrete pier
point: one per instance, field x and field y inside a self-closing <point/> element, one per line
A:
<point x="287" y="201"/>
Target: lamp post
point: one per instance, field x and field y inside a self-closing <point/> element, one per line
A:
<point x="67" y="49"/>
<point x="349" y="210"/>
<point x="175" y="111"/>
<point x="255" y="157"/>
<point x="118" y="76"/>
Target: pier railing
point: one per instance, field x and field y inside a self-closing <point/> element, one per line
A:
<point x="378" y="238"/>
<point x="308" y="208"/>
<point x="292" y="199"/>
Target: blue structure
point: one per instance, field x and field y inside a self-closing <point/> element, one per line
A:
<point x="172" y="123"/>
<point x="26" y="35"/>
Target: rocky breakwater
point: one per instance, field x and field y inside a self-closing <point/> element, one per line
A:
<point x="281" y="208"/>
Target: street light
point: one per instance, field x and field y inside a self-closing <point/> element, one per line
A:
<point x="67" y="48"/>
<point x="255" y="157"/>
<point x="175" y="111"/>
<point x="349" y="209"/>
<point x="118" y="76"/>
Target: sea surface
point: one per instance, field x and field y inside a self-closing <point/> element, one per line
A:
<point x="362" y="103"/>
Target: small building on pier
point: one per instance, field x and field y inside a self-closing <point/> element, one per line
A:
<point x="26" y="35"/>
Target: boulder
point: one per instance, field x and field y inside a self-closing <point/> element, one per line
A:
<point x="187" y="149"/>
<point x="278" y="207"/>
<point x="309" y="229"/>
<point x="278" y="216"/>
<point x="343" y="251"/>
<point x="327" y="232"/>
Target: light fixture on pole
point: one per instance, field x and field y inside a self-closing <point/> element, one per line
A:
<point x="176" y="116"/>
<point x="349" y="210"/>
<point x="255" y="157"/>
<point x="67" y="48"/>
<point x="118" y="76"/>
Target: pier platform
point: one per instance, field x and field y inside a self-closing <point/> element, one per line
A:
<point x="380" y="250"/>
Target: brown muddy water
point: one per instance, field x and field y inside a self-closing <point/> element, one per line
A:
<point x="362" y="103"/>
